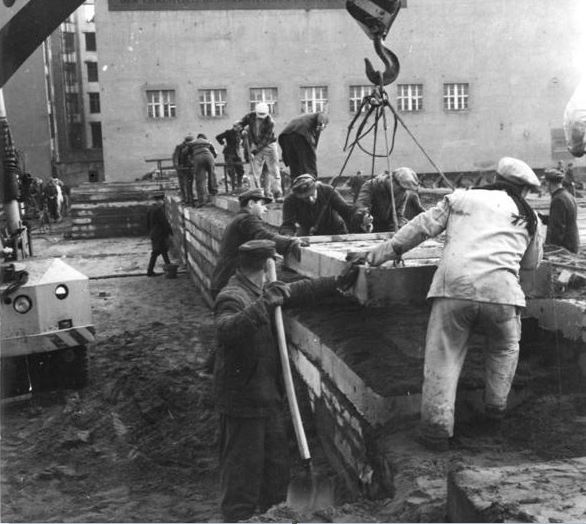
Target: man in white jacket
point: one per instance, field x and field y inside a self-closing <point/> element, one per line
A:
<point x="491" y="233"/>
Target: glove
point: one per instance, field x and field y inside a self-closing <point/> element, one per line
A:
<point x="275" y="293"/>
<point x="347" y="278"/>
<point x="356" y="258"/>
<point x="294" y="249"/>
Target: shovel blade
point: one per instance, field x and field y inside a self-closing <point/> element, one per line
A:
<point x="310" y="493"/>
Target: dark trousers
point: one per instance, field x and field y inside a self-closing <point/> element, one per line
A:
<point x="254" y="464"/>
<point x="154" y="255"/>
<point x="205" y="172"/>
<point x="300" y="155"/>
<point x="188" y="174"/>
<point x="234" y="172"/>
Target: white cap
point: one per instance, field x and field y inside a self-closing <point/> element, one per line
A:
<point x="261" y="109"/>
<point x="517" y="172"/>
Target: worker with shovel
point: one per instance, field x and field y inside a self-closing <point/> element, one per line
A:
<point x="249" y="380"/>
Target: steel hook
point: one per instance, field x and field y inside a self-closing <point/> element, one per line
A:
<point x="390" y="60"/>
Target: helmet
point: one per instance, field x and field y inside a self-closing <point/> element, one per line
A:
<point x="261" y="109"/>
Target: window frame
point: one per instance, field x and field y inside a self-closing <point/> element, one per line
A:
<point x="94" y="102"/>
<point x="90" y="64"/>
<point x="166" y="102"/>
<point x="355" y="99"/>
<point x="412" y="97"/>
<point x="271" y="101"/>
<point x="459" y="98"/>
<point x="94" y="134"/>
<point x="90" y="41"/>
<point x="214" y="107"/>
<point x="314" y="103"/>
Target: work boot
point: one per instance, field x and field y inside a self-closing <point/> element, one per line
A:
<point x="432" y="442"/>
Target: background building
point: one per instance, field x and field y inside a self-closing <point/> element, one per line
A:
<point x="478" y="80"/>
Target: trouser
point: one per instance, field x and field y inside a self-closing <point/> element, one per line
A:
<point x="154" y="255"/>
<point x="450" y="325"/>
<point x="53" y="207"/>
<point x="188" y="175"/>
<point x="272" y="180"/>
<point x="235" y="172"/>
<point x="181" y="175"/>
<point x="205" y="177"/>
<point x="300" y="156"/>
<point x="254" y="464"/>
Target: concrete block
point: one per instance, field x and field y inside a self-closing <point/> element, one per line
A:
<point x="535" y="492"/>
<point x="565" y="315"/>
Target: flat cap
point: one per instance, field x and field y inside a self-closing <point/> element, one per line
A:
<point x="406" y="178"/>
<point x="303" y="185"/>
<point x="189" y="137"/>
<point x="258" y="249"/>
<point x="517" y="172"/>
<point x="253" y="194"/>
<point x="553" y="175"/>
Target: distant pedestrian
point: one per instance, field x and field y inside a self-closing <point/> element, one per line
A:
<point x="160" y="232"/>
<point x="569" y="182"/>
<point x="562" y="226"/>
<point x="54" y="198"/>
<point x="183" y="164"/>
<point x="259" y="133"/>
<point x="355" y="183"/>
<point x="299" y="141"/>
<point x="203" y="155"/>
<point x="231" y="140"/>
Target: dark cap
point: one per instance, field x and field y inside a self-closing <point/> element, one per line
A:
<point x="303" y="185"/>
<point x="258" y="249"/>
<point x="253" y="194"/>
<point x="554" y="175"/>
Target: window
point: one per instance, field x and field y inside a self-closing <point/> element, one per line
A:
<point x="92" y="71"/>
<point x="161" y="103"/>
<point x="410" y="97"/>
<point x="212" y="102"/>
<point x="68" y="42"/>
<point x="75" y="136"/>
<point x="357" y="93"/>
<point x="94" y="102"/>
<point x="71" y="104"/>
<point x="264" y="94"/>
<point x="70" y="73"/>
<point x="96" y="129"/>
<point x="314" y="99"/>
<point x="456" y="97"/>
<point x="90" y="42"/>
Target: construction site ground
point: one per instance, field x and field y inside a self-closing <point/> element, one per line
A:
<point x="139" y="444"/>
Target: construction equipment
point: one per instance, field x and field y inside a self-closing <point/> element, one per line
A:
<point x="310" y="491"/>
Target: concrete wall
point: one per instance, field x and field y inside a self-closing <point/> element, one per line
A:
<point x="521" y="67"/>
<point x="26" y="109"/>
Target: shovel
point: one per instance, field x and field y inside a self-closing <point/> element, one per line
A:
<point x="308" y="492"/>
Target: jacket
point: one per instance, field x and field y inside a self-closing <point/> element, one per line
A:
<point x="244" y="227"/>
<point x="337" y="215"/>
<point x="375" y="197"/>
<point x="562" y="227"/>
<point x="305" y="126"/>
<point x="201" y="146"/>
<point x="248" y="378"/>
<point x="264" y="135"/>
<point x="158" y="227"/>
<point x="484" y="249"/>
<point x="231" y="140"/>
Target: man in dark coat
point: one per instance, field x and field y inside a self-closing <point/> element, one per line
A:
<point x="313" y="208"/>
<point x="203" y="155"/>
<point x="231" y="141"/>
<point x="184" y="167"/>
<point x="376" y="197"/>
<point x="299" y="141"/>
<point x="247" y="225"/>
<point x="249" y="389"/>
<point x="562" y="227"/>
<point x="160" y="232"/>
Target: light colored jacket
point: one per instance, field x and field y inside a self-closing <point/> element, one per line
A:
<point x="483" y="252"/>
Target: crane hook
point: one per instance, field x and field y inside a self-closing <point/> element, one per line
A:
<point x="390" y="60"/>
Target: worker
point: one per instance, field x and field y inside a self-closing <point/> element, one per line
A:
<point x="258" y="129"/>
<point x="248" y="225"/>
<point x="182" y="162"/>
<point x="254" y="448"/>
<point x="231" y="141"/>
<point x="562" y="226"/>
<point x="160" y="232"/>
<point x="569" y="181"/>
<point x="298" y="142"/>
<point x="355" y="182"/>
<point x="314" y="208"/>
<point x="377" y="194"/>
<point x="492" y="233"/>
<point x="203" y="154"/>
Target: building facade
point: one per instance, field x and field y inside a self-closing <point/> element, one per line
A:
<point x="478" y="80"/>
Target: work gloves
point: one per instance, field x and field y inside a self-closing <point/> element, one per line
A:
<point x="294" y="248"/>
<point x="275" y="293"/>
<point x="347" y="278"/>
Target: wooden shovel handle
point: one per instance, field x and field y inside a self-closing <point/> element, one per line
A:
<point x="287" y="376"/>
